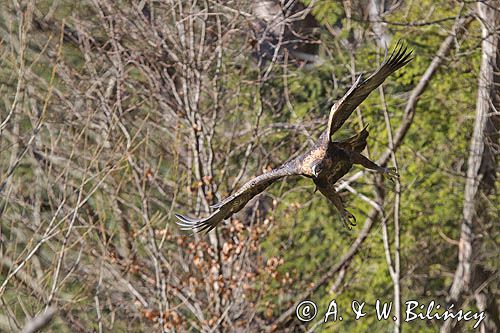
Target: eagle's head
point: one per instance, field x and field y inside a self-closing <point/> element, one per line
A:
<point x="317" y="167"/>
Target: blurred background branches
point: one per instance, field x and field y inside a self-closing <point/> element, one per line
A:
<point x="115" y="114"/>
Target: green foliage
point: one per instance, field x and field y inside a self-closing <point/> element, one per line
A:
<point x="130" y="192"/>
<point x="311" y="238"/>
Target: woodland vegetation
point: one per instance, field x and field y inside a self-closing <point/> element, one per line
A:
<point x="114" y="115"/>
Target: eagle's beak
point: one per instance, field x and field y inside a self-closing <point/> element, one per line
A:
<point x="314" y="171"/>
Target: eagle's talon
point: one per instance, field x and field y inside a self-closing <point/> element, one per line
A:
<point x="391" y="173"/>
<point x="348" y="219"/>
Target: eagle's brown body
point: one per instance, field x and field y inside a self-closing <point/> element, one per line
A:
<point x="326" y="162"/>
<point x="338" y="160"/>
<point x="336" y="157"/>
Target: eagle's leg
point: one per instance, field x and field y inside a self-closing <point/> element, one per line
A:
<point x="347" y="218"/>
<point x="357" y="158"/>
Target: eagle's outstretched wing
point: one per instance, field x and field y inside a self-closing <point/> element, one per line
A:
<point x="343" y="108"/>
<point x="238" y="200"/>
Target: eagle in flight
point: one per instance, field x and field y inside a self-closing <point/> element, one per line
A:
<point x="325" y="163"/>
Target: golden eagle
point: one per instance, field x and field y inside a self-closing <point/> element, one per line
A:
<point x="326" y="162"/>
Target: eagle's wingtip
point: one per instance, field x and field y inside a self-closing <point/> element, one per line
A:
<point x="400" y="55"/>
<point x="190" y="224"/>
<point x="184" y="218"/>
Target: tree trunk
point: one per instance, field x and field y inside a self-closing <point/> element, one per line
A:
<point x="481" y="175"/>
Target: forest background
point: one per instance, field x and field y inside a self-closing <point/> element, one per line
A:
<point x="114" y="115"/>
